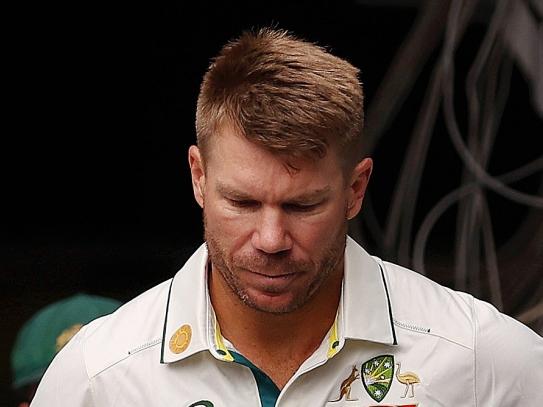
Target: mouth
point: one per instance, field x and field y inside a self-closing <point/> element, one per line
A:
<point x="272" y="276"/>
<point x="270" y="282"/>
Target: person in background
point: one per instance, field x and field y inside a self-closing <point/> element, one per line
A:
<point x="46" y="333"/>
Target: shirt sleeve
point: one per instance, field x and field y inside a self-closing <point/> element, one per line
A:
<point x="508" y="360"/>
<point x="66" y="382"/>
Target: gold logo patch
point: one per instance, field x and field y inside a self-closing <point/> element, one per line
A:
<point x="180" y="340"/>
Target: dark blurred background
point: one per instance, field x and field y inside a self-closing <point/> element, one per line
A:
<point x="100" y="112"/>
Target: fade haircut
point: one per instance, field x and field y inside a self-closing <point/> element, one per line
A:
<point x="285" y="94"/>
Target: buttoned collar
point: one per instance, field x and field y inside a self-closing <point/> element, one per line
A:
<point x="190" y="325"/>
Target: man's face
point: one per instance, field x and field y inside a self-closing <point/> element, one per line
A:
<point x="274" y="234"/>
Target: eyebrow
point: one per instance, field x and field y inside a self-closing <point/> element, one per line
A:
<point x="232" y="193"/>
<point x="312" y="195"/>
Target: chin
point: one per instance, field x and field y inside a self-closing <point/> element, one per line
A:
<point x="272" y="303"/>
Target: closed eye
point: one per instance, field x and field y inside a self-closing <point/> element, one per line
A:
<point x="243" y="203"/>
<point x="294" y="207"/>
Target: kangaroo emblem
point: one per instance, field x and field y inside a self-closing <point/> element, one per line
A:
<point x="345" y="388"/>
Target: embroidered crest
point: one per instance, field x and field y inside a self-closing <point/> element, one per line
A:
<point x="345" y="388"/>
<point x="377" y="374"/>
<point x="407" y="378"/>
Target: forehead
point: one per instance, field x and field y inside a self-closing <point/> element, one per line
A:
<point x="234" y="162"/>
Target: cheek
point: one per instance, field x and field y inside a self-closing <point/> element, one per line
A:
<point x="318" y="231"/>
<point x="229" y="227"/>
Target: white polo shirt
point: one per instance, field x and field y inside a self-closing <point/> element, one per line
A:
<point x="399" y="339"/>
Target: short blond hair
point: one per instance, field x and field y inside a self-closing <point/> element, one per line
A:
<point x="285" y="94"/>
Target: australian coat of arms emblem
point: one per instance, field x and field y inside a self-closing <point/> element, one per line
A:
<point x="377" y="375"/>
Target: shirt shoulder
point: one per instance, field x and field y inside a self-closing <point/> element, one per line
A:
<point x="421" y="305"/>
<point x="101" y="344"/>
<point x="508" y="359"/>
<point x="507" y="356"/>
<point x="134" y="327"/>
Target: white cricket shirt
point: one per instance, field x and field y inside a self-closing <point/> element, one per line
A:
<point x="399" y="339"/>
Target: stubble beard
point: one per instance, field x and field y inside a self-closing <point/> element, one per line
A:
<point x="320" y="269"/>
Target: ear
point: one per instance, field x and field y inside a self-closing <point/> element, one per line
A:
<point x="358" y="183"/>
<point x="197" y="174"/>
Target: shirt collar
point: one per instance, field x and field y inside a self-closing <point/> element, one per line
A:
<point x="186" y="323"/>
<point x="365" y="312"/>
<point x="190" y="325"/>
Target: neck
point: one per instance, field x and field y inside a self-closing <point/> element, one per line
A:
<point x="297" y="334"/>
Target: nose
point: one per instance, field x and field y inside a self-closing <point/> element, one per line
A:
<point x="271" y="234"/>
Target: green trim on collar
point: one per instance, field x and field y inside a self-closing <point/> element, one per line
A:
<point x="267" y="389"/>
<point x="389" y="306"/>
<point x="165" y="323"/>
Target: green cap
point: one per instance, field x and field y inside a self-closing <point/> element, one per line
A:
<point x="49" y="329"/>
